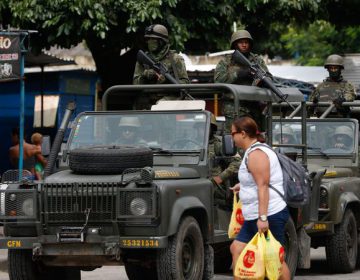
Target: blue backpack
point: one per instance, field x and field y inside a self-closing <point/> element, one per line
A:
<point x="296" y="180"/>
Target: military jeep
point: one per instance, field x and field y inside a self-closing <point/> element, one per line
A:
<point x="147" y="203"/>
<point x="332" y="153"/>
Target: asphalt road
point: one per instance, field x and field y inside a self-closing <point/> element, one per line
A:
<point x="319" y="271"/>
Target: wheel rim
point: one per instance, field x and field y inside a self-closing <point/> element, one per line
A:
<point x="188" y="257"/>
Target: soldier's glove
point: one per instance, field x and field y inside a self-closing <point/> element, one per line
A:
<point x="341" y="109"/>
<point x="161" y="79"/>
<point x="313" y="108"/>
<point x="150" y="74"/>
<point x="339" y="101"/>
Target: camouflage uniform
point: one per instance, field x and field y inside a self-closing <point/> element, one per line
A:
<point x="227" y="170"/>
<point x="178" y="63"/>
<point x="227" y="71"/>
<point x="334" y="88"/>
<point x="330" y="90"/>
<point x="232" y="169"/>
<point x="175" y="64"/>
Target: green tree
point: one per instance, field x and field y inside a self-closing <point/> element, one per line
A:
<point x="109" y="26"/>
<point x="311" y="45"/>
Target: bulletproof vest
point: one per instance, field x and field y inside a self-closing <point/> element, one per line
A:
<point x="331" y="90"/>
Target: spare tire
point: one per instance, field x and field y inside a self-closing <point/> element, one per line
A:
<point x="109" y="159"/>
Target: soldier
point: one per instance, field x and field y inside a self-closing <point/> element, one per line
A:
<point x="157" y="39"/>
<point x="129" y="131"/>
<point x="334" y="88"/>
<point x="228" y="71"/>
<point x="221" y="172"/>
<point x="286" y="136"/>
<point x="343" y="138"/>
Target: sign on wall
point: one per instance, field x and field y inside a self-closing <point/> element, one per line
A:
<point x="9" y="57"/>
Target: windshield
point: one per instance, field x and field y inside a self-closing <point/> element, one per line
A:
<point x="168" y="131"/>
<point x="328" y="137"/>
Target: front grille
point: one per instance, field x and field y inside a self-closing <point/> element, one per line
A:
<point x="107" y="202"/>
<point x="69" y="202"/>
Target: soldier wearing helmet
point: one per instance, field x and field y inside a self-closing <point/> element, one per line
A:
<point x="129" y="131"/>
<point x="158" y="49"/>
<point x="285" y="136"/>
<point x="334" y="88"/>
<point x="228" y="71"/>
<point x="343" y="137"/>
<point x="221" y="172"/>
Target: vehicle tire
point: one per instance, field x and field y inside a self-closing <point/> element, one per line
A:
<point x="109" y="159"/>
<point x="208" y="262"/>
<point x="184" y="256"/>
<point x="22" y="267"/>
<point x="135" y="271"/>
<point x="341" y="248"/>
<point x="291" y="246"/>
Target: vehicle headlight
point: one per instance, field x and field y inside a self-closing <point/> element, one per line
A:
<point x="323" y="198"/>
<point x="138" y="206"/>
<point x="27" y="207"/>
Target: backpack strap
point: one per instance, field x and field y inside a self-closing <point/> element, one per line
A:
<point x="246" y="164"/>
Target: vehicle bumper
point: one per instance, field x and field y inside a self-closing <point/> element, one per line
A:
<point x="319" y="228"/>
<point x="99" y="245"/>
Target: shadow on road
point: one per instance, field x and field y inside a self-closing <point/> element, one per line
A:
<point x="318" y="267"/>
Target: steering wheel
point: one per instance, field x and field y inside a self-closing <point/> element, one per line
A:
<point x="181" y="143"/>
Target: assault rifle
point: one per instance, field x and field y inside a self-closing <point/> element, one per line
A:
<point x="159" y="68"/>
<point x="260" y="74"/>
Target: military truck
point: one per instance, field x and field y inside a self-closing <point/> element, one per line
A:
<point x="147" y="204"/>
<point x="332" y="152"/>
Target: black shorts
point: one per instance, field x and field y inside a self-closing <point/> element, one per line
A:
<point x="277" y="224"/>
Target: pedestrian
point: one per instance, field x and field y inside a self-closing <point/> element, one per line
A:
<point x="40" y="164"/>
<point x="158" y="49"/>
<point x="30" y="152"/>
<point x="231" y="72"/>
<point x="334" y="88"/>
<point x="262" y="207"/>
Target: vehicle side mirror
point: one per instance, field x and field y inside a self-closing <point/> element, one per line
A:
<point x="228" y="146"/>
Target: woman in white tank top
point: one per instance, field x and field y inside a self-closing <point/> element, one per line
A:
<point x="262" y="207"/>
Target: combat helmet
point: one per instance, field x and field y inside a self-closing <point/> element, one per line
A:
<point x="344" y="130"/>
<point x="157" y="31"/>
<point x="129" y="121"/>
<point x="240" y="34"/>
<point x="287" y="130"/>
<point x="335" y="60"/>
